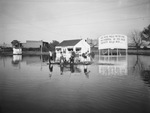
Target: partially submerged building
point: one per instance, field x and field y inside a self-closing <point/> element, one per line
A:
<point x="79" y="46"/>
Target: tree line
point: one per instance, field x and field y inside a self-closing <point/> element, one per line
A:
<point x="141" y="38"/>
<point x="47" y="46"/>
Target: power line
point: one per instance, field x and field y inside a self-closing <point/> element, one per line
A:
<point x="38" y="27"/>
<point x="118" y="20"/>
<point x="104" y="10"/>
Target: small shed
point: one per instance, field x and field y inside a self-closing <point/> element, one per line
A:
<point x="79" y="46"/>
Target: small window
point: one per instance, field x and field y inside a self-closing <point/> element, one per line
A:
<point x="78" y="49"/>
<point x="70" y="49"/>
<point x="58" y="49"/>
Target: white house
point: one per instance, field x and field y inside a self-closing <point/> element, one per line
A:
<point x="17" y="51"/>
<point x="79" y="46"/>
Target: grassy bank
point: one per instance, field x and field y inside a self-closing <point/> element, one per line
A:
<point x="96" y="51"/>
<point x="26" y="53"/>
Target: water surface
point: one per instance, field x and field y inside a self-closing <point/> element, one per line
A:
<point x="29" y="85"/>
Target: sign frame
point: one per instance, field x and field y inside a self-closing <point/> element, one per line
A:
<point x="113" y="41"/>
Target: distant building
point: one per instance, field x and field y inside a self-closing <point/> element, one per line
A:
<point x="34" y="44"/>
<point x="79" y="46"/>
<point x="131" y="46"/>
<point x="145" y="44"/>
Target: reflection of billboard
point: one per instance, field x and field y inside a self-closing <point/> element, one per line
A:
<point x="118" y="67"/>
<point x="113" y="41"/>
<point x="113" y="70"/>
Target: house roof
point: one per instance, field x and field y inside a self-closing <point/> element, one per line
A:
<point x="69" y="42"/>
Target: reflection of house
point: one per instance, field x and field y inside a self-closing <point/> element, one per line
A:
<point x="79" y="46"/>
<point x="17" y="58"/>
<point x="34" y="44"/>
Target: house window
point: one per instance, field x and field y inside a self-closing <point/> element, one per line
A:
<point x="78" y="49"/>
<point x="64" y="50"/>
<point x="70" y="49"/>
<point x="58" y="49"/>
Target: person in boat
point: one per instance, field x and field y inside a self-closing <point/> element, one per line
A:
<point x="54" y="55"/>
<point x="50" y="56"/>
<point x="62" y="59"/>
<point x="72" y="67"/>
<point x="84" y="55"/>
<point x="61" y="69"/>
<point x="92" y="55"/>
<point x="72" y="57"/>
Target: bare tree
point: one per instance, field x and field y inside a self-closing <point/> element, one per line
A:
<point x="92" y="42"/>
<point x="16" y="44"/>
<point x="136" y="38"/>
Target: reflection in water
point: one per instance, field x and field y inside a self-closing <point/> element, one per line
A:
<point x="86" y="72"/>
<point x="31" y="90"/>
<point x="115" y="65"/>
<point x="72" y="67"/>
<point x="145" y="74"/>
<point x="69" y="68"/>
<point x="142" y="67"/>
<point x="50" y="69"/>
<point x="16" y="60"/>
<point x="35" y="59"/>
<point x="61" y="69"/>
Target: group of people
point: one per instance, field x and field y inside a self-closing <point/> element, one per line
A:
<point x="72" y="69"/>
<point x="52" y="58"/>
<point x="86" y="55"/>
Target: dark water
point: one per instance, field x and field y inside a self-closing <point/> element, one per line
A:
<point x="29" y="85"/>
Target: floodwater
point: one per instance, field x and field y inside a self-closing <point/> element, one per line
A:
<point x="29" y="85"/>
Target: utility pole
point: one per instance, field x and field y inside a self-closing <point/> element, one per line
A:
<point x="3" y="47"/>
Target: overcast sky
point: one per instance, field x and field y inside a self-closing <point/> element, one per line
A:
<point x="70" y="19"/>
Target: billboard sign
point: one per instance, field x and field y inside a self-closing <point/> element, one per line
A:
<point x="113" y="41"/>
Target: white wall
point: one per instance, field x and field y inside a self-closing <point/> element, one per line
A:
<point x="17" y="51"/>
<point x="66" y="55"/>
<point x="84" y="45"/>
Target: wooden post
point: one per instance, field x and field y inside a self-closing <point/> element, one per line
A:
<point x="41" y="49"/>
<point x="99" y="55"/>
<point x="127" y="56"/>
<point x="117" y="54"/>
<point x="108" y="54"/>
